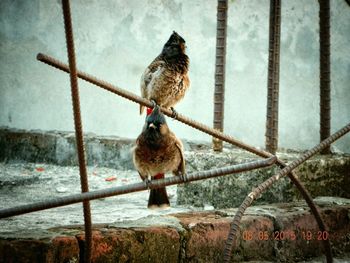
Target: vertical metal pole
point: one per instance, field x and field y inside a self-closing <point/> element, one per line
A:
<point x="271" y="134"/>
<point x="220" y="64"/>
<point x="325" y="90"/>
<point x="78" y="127"/>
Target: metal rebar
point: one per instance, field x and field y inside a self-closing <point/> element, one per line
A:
<point x="266" y="184"/>
<point x="78" y="127"/>
<point x="76" y="198"/>
<point x="201" y="127"/>
<point x="325" y="72"/>
<point x="135" y="98"/>
<point x="220" y="65"/>
<point x="271" y="135"/>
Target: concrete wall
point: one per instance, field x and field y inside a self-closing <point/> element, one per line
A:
<point x="116" y="40"/>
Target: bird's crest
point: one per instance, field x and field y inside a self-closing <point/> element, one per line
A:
<point x="175" y="39"/>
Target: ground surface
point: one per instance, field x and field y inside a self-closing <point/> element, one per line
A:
<point x="125" y="230"/>
<point x="22" y="183"/>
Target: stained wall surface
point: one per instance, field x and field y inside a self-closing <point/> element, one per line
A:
<point x="115" y="40"/>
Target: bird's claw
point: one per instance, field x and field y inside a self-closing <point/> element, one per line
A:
<point x="147" y="182"/>
<point x="174" y="114"/>
<point x="154" y="104"/>
<point x="184" y="177"/>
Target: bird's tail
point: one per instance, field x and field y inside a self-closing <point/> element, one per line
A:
<point x="141" y="109"/>
<point x="158" y="197"/>
<point x="149" y="110"/>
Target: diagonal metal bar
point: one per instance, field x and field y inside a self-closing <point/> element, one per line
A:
<point x="78" y="126"/>
<point x="265" y="185"/>
<point x="195" y="176"/>
<point x="199" y="126"/>
<point x="133" y="97"/>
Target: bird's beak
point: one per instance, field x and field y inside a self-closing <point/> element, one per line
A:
<point x="152" y="126"/>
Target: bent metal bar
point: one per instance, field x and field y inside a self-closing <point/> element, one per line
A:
<point x="199" y="126"/>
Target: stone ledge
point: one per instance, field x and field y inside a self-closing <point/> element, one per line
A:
<point x="60" y="148"/>
<point x="327" y="175"/>
<point x="193" y="237"/>
<point x="322" y="175"/>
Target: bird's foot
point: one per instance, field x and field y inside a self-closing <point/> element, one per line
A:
<point x="147" y="182"/>
<point x="154" y="104"/>
<point x="184" y="177"/>
<point x="174" y="114"/>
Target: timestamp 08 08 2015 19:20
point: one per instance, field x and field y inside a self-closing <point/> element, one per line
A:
<point x="307" y="235"/>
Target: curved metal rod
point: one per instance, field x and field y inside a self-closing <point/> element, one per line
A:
<point x="194" y="124"/>
<point x="266" y="184"/>
<point x="195" y="176"/>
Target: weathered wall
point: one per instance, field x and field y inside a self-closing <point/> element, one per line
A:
<point x="116" y="40"/>
<point x="274" y="233"/>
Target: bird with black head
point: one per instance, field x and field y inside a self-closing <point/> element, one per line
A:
<point x="157" y="152"/>
<point x="165" y="81"/>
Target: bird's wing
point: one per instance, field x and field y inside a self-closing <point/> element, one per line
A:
<point x="151" y="72"/>
<point x="136" y="161"/>
<point x="178" y="144"/>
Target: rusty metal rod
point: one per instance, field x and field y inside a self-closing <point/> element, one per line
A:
<point x="265" y="185"/>
<point x="78" y="127"/>
<point x="215" y="133"/>
<point x="220" y="65"/>
<point x="271" y="135"/>
<point x="133" y="97"/>
<point x="325" y="72"/>
<point x="76" y="198"/>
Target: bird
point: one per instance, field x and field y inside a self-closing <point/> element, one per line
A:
<point x="157" y="152"/>
<point x="166" y="80"/>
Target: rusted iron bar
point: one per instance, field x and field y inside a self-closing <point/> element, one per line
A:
<point x="78" y="126"/>
<point x="271" y="135"/>
<point x="325" y="73"/>
<point x="265" y="185"/>
<point x="215" y="133"/>
<point x="76" y="198"/>
<point x="220" y="65"/>
<point x="135" y="98"/>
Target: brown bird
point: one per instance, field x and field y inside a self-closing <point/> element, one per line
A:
<point x="165" y="80"/>
<point x="158" y="151"/>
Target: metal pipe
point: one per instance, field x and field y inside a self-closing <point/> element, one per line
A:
<point x="206" y="129"/>
<point x="266" y="184"/>
<point x="76" y="198"/>
<point x="78" y="126"/>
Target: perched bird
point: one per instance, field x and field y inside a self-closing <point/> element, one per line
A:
<point x="157" y="152"/>
<point x="165" y="80"/>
